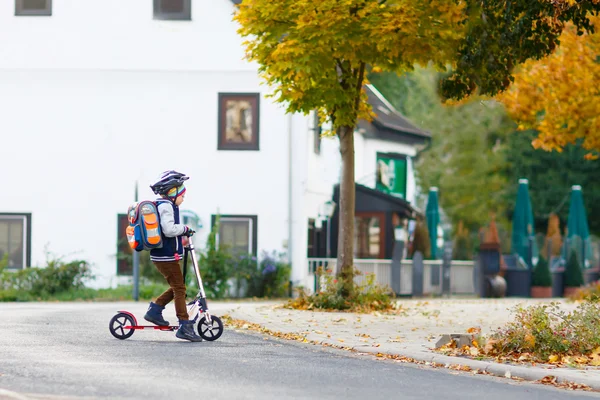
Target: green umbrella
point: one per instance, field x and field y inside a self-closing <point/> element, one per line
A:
<point x="522" y="228"/>
<point x="578" y="233"/>
<point x="432" y="214"/>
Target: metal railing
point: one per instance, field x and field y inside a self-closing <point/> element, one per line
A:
<point x="461" y="274"/>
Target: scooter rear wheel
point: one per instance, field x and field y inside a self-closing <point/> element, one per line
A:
<point x="117" y="324"/>
<point x="211" y="331"/>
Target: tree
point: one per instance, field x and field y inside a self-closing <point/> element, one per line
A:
<point x="573" y="273"/>
<point x="472" y="133"/>
<point x="502" y="34"/>
<point x="551" y="175"/>
<point x="315" y="54"/>
<point x="558" y="95"/>
<point x="541" y="275"/>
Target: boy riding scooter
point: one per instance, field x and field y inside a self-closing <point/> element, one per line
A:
<point x="171" y="190"/>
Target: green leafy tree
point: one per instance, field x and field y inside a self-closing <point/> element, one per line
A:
<point x="463" y="136"/>
<point x="551" y="175"/>
<point x="314" y="55"/>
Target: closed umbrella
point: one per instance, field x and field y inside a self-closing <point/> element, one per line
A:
<point x="522" y="227"/>
<point x="578" y="233"/>
<point x="432" y="214"/>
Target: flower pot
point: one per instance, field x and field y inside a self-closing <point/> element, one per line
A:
<point x="541" y="292"/>
<point x="569" y="290"/>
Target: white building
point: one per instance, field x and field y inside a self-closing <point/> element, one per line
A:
<point x="100" y="94"/>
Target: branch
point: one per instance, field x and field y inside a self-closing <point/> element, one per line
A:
<point x="359" y="84"/>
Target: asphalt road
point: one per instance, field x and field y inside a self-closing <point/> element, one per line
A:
<point x="65" y="349"/>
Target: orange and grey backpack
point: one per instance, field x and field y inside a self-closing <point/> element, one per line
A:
<point x="143" y="232"/>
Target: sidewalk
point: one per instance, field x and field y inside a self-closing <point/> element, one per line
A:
<point x="409" y="337"/>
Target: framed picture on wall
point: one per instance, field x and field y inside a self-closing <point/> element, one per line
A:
<point x="239" y="121"/>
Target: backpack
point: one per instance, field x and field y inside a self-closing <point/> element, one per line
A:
<point x="143" y="232"/>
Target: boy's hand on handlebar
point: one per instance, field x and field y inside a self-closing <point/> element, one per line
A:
<point x="189" y="231"/>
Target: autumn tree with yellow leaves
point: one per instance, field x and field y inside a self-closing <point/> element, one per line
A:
<point x="315" y="55"/>
<point x="559" y="95"/>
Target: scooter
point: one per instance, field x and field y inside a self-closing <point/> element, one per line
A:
<point x="210" y="327"/>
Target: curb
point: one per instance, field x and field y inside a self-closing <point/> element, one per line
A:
<point x="8" y="394"/>
<point x="531" y="373"/>
<point x="501" y="370"/>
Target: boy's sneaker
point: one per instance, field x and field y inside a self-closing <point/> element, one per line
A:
<point x="154" y="315"/>
<point x="186" y="331"/>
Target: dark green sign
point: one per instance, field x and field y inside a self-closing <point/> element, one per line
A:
<point x="391" y="174"/>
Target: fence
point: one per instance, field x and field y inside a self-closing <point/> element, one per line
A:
<point x="461" y="274"/>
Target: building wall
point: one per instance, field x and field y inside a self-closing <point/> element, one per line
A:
<point x="80" y="139"/>
<point x="117" y="34"/>
<point x="100" y="95"/>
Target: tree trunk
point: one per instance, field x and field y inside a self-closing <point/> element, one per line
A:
<point x="345" y="258"/>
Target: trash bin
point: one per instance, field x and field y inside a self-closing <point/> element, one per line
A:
<point x="517" y="276"/>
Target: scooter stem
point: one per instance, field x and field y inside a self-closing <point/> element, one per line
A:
<point x="197" y="272"/>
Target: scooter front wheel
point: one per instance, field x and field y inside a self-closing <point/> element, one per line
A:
<point x="117" y="326"/>
<point x="210" y="331"/>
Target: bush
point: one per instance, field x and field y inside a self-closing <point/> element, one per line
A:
<point x="547" y="333"/>
<point x="541" y="274"/>
<point x="421" y="241"/>
<point x="590" y="292"/>
<point x="275" y="276"/>
<point x="246" y="274"/>
<point x="42" y="283"/>
<point x="573" y="273"/>
<point x="461" y="243"/>
<point x="215" y="265"/>
<point x="366" y="297"/>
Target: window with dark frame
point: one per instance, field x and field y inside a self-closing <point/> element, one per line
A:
<point x="238" y="233"/>
<point x="177" y="10"/>
<point x="15" y="239"/>
<point x="238" y="125"/>
<point x="124" y="252"/>
<point x="33" y="7"/>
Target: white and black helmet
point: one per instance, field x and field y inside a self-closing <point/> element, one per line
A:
<point x="168" y="180"/>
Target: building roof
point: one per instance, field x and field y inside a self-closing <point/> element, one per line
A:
<point x="369" y="199"/>
<point x="388" y="117"/>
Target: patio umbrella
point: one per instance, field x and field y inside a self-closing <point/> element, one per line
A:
<point x="432" y="213"/>
<point x="522" y="229"/>
<point x="578" y="233"/>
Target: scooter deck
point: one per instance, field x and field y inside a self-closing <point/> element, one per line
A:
<point x="156" y="327"/>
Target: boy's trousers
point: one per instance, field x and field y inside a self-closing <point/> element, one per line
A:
<point x="172" y="273"/>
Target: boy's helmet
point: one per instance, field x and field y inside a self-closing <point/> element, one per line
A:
<point x="168" y="180"/>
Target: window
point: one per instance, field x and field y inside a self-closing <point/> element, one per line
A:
<point x="238" y="233"/>
<point x="15" y="239"/>
<point x="124" y="252"/>
<point x="33" y="7"/>
<point x="173" y="10"/>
